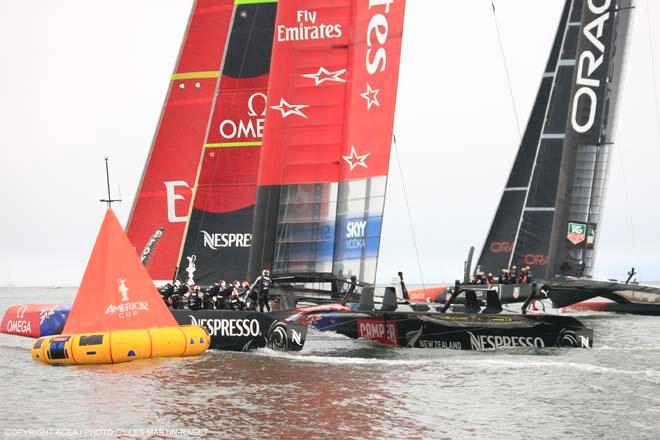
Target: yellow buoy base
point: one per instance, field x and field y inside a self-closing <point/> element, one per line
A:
<point x="121" y="345"/>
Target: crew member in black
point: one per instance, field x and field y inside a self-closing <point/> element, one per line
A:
<point x="513" y="276"/>
<point x="207" y="302"/>
<point x="504" y="276"/>
<point x="195" y="299"/>
<point x="235" y="302"/>
<point x="180" y="291"/>
<point x="225" y="289"/>
<point x="166" y="293"/>
<point x="262" y="286"/>
<point x="525" y="275"/>
<point x="217" y="300"/>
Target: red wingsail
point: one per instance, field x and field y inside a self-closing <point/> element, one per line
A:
<point x="163" y="198"/>
<point x="327" y="137"/>
<point x="332" y="93"/>
<point x="116" y="292"/>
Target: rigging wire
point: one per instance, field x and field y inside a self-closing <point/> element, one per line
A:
<point x="506" y="70"/>
<point x="652" y="50"/>
<point x="412" y="226"/>
<point x="630" y="218"/>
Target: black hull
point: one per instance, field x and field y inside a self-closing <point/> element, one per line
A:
<point x="459" y="331"/>
<point x="633" y="308"/>
<point x="633" y="298"/>
<point x="245" y="330"/>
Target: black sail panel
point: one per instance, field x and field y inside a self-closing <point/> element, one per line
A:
<point x="498" y="248"/>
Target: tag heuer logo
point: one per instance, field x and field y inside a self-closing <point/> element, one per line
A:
<point x="577" y="232"/>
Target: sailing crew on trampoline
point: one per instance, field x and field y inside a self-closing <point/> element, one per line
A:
<point x="262" y="285"/>
<point x="225" y="289"/>
<point x="525" y="275"/>
<point x="235" y="302"/>
<point x="504" y="276"/>
<point x="513" y="275"/>
<point x="166" y="293"/>
<point x="195" y="299"/>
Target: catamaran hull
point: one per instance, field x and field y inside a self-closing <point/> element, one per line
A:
<point x="245" y="330"/>
<point x="613" y="307"/>
<point x="458" y="331"/>
<point x="606" y="296"/>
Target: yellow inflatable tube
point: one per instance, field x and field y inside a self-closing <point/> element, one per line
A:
<point x="121" y="345"/>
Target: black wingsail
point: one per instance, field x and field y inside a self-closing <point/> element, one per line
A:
<point x="601" y="52"/>
<point x="548" y="169"/>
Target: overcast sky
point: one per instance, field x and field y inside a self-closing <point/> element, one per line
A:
<point x="84" y="79"/>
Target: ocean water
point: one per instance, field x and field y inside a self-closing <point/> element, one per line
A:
<point x="343" y="389"/>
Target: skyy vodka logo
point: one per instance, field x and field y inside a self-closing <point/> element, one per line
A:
<point x="588" y="64"/>
<point x="355" y="234"/>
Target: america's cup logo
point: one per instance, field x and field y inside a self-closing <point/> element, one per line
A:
<point x="123" y="290"/>
<point x="191" y="269"/>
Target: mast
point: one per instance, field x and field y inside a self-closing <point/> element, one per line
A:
<point x="163" y="197"/>
<point x="218" y="235"/>
<point x="109" y="200"/>
<point x="327" y="138"/>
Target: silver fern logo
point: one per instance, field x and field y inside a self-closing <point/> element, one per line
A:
<point x="413" y="336"/>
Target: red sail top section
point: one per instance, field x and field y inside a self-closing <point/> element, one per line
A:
<point x="116" y="292"/>
<point x="164" y="195"/>
<point x="332" y="93"/>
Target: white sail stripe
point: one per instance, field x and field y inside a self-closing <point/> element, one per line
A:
<point x="574" y="23"/>
<point x="517" y="188"/>
<point x="553" y="136"/>
<point x="566" y="63"/>
<point x="541" y="209"/>
<point x="549" y="75"/>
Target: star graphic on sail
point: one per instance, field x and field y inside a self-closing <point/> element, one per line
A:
<point x="324" y="75"/>
<point x="371" y="95"/>
<point x="356" y="160"/>
<point x="289" y="109"/>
